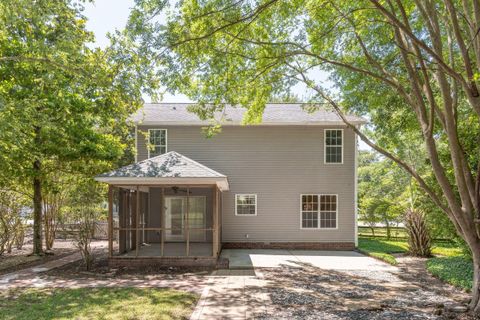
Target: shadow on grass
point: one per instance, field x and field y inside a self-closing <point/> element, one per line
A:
<point x="96" y="303"/>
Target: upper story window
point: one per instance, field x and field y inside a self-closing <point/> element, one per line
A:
<point x="333" y="146"/>
<point x="319" y="211"/>
<point x="157" y="142"/>
<point x="246" y="204"/>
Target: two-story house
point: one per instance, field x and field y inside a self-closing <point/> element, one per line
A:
<point x="289" y="182"/>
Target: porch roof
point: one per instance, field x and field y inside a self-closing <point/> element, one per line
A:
<point x="168" y="168"/>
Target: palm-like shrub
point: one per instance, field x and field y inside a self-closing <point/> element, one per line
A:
<point x="419" y="241"/>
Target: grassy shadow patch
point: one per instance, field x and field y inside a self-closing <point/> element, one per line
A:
<point x="382" y="249"/>
<point x="96" y="303"/>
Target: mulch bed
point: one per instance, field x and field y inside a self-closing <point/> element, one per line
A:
<point x="100" y="269"/>
<point x="21" y="260"/>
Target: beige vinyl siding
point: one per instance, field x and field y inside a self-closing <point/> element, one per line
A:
<point x="278" y="163"/>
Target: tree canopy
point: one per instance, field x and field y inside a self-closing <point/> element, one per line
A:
<point x="411" y="67"/>
<point x="63" y="104"/>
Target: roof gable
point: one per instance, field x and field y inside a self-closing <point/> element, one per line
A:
<point x="168" y="165"/>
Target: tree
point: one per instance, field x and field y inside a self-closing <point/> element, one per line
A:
<point x="60" y="100"/>
<point x="383" y="191"/>
<point x="86" y="205"/>
<point x="423" y="55"/>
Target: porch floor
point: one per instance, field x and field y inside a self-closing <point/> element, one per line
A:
<point x="173" y="249"/>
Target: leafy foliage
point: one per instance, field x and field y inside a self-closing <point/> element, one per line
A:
<point x="456" y="270"/>
<point x="383" y="191"/>
<point x="63" y="103"/>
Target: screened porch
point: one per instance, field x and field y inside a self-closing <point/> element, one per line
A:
<point x="164" y="221"/>
<point x="166" y="207"/>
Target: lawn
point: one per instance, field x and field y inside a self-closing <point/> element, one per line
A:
<point x="382" y="249"/>
<point x="395" y="232"/>
<point x="449" y="263"/>
<point x="96" y="303"/>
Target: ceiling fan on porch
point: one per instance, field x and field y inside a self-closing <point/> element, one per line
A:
<point x="176" y="190"/>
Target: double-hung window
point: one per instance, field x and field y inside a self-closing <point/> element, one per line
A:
<point x="157" y="142"/>
<point x="333" y="146"/>
<point x="246" y="204"/>
<point x="319" y="211"/>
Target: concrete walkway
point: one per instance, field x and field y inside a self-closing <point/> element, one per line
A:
<point x="240" y="292"/>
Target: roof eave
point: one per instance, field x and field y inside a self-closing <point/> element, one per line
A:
<point x="221" y="182"/>
<point x="232" y="123"/>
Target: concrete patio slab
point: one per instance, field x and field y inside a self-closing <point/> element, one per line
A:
<point x="329" y="260"/>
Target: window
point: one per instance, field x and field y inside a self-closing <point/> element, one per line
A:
<point x="333" y="146"/>
<point x="246" y="204"/>
<point x="319" y="211"/>
<point x="157" y="142"/>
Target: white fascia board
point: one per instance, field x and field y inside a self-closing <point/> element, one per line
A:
<point x="221" y="182"/>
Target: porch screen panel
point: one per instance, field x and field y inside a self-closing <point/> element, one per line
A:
<point x="197" y="218"/>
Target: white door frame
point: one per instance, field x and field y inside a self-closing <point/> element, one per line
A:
<point x="181" y="237"/>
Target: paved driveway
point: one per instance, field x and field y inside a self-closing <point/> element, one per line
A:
<point x="297" y="284"/>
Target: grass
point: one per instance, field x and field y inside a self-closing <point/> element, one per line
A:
<point x="456" y="270"/>
<point x="449" y="265"/>
<point x="446" y="249"/>
<point x="395" y="232"/>
<point x="96" y="303"/>
<point x="382" y="249"/>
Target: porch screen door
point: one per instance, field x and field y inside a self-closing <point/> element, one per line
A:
<point x="175" y="216"/>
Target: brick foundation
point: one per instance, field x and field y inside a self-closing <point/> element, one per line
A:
<point x="168" y="262"/>
<point x="291" y="245"/>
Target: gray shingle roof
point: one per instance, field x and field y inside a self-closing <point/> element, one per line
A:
<point x="168" y="165"/>
<point x="275" y="113"/>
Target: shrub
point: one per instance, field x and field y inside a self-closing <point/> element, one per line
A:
<point x="419" y="241"/>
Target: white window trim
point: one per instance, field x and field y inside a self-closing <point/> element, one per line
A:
<point x="325" y="145"/>
<point x="318" y="227"/>
<point x="246" y="194"/>
<point x="166" y="139"/>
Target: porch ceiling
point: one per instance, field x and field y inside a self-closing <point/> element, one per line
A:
<point x="169" y="168"/>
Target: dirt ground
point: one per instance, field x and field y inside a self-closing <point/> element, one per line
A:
<point x="306" y="292"/>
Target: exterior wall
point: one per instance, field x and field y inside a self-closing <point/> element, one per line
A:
<point x="278" y="163"/>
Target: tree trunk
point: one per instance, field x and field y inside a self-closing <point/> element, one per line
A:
<point x="37" y="209"/>
<point x="387" y="225"/>
<point x="475" y="303"/>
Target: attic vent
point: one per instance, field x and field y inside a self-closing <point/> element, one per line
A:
<point x="174" y="108"/>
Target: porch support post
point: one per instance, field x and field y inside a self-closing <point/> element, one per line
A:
<point x="110" y="221"/>
<point x="215" y="223"/>
<point x="137" y="211"/>
<point x="162" y="223"/>
<point x="187" y="224"/>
